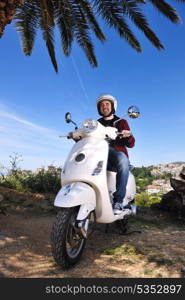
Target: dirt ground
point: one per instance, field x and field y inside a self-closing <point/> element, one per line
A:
<point x="157" y="251"/>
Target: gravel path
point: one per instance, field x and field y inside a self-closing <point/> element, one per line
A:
<point x="155" y="252"/>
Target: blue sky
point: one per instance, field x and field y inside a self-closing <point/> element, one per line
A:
<point x="34" y="99"/>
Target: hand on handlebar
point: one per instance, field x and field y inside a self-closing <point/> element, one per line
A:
<point x="124" y="134"/>
<point x="70" y="135"/>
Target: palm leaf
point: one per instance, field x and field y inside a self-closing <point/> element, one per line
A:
<point x="49" y="40"/>
<point x="65" y="23"/>
<point x="134" y="13"/>
<point x="167" y="10"/>
<point x="27" y="22"/>
<point x="47" y="11"/>
<point x="89" y="13"/>
<point x="113" y="14"/>
<point x="46" y="23"/>
<point x="82" y="32"/>
<point x="77" y="20"/>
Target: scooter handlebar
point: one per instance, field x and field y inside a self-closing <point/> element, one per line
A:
<point x="62" y="136"/>
<point x="107" y="132"/>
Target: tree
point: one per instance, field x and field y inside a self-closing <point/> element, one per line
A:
<point x="7" y="12"/>
<point x="14" y="162"/>
<point x="77" y="20"/>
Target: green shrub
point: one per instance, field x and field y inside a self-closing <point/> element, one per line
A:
<point x="42" y="182"/>
<point x="12" y="182"/>
<point x="145" y="200"/>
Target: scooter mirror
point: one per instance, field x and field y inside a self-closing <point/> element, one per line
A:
<point x="68" y="117"/>
<point x="133" y="112"/>
<point x="69" y="120"/>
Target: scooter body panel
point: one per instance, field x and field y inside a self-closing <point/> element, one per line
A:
<point x="85" y="174"/>
<point x="74" y="194"/>
<point x="86" y="159"/>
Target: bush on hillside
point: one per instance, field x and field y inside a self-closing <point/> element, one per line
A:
<point x="45" y="181"/>
<point x="145" y="200"/>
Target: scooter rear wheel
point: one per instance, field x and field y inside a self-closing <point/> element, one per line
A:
<point x="66" y="242"/>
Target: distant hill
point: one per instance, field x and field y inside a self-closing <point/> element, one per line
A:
<point x="157" y="175"/>
<point x="178" y="162"/>
<point x="173" y="168"/>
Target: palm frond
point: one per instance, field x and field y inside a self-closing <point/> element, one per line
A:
<point x="167" y="10"/>
<point x="89" y="13"/>
<point x="82" y="33"/>
<point x="46" y="24"/>
<point x="48" y="38"/>
<point x="47" y="10"/>
<point x="134" y="13"/>
<point x="26" y="24"/>
<point x="65" y="23"/>
<point x="77" y="20"/>
<point x="113" y="14"/>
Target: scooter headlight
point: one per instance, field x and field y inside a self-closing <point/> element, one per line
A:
<point x="90" y="125"/>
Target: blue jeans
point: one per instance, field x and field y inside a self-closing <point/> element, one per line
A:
<point x="119" y="162"/>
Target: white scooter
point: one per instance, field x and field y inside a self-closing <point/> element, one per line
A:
<point x="87" y="188"/>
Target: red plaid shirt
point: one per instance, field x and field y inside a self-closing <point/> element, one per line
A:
<point x="119" y="144"/>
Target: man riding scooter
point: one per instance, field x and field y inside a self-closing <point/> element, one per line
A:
<point x="118" y="159"/>
<point x="87" y="188"/>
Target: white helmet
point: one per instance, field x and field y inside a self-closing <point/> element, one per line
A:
<point x="107" y="97"/>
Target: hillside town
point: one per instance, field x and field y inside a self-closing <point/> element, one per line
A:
<point x="163" y="185"/>
<point x="172" y="168"/>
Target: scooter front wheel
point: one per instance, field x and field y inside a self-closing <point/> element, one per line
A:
<point x="66" y="241"/>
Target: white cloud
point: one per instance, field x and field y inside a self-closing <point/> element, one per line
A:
<point x="13" y="117"/>
<point x="31" y="140"/>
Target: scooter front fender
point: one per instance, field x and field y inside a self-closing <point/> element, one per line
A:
<point x="77" y="194"/>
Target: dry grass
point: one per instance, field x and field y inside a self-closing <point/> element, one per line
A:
<point x="158" y="251"/>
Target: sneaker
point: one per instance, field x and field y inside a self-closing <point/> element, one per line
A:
<point x="117" y="208"/>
